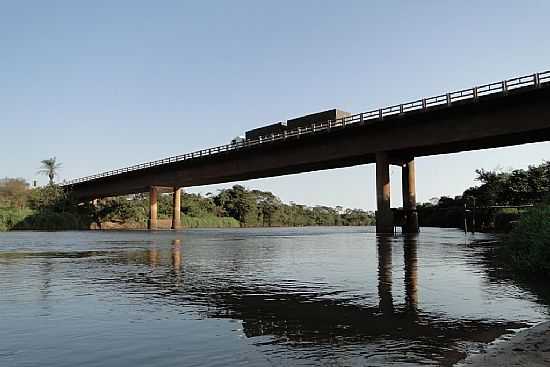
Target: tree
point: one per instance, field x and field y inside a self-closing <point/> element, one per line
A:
<point x="268" y="205"/>
<point x="50" y="168"/>
<point x="238" y="203"/>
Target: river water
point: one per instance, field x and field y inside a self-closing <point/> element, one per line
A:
<point x="260" y="297"/>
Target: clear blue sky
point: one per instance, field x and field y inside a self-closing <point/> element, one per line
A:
<point x="106" y="84"/>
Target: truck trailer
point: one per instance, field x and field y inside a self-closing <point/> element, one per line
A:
<point x="298" y="122"/>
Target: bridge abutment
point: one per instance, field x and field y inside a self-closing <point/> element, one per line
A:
<point x="153" y="206"/>
<point x="384" y="215"/>
<point x="176" y="208"/>
<point x="409" y="197"/>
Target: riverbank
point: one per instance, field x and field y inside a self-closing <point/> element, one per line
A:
<point x="529" y="347"/>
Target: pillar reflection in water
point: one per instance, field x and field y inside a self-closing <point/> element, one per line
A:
<point x="411" y="272"/>
<point x="154" y="255"/>
<point x="176" y="255"/>
<point x="384" y="248"/>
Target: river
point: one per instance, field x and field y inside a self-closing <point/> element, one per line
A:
<point x="260" y="297"/>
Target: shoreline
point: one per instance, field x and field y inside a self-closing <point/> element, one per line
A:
<point x="530" y="347"/>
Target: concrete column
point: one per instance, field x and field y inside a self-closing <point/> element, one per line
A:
<point x="153" y="205"/>
<point x="409" y="197"/>
<point x="384" y="215"/>
<point x="176" y="208"/>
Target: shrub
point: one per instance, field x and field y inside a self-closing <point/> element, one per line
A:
<point x="10" y="218"/>
<point x="528" y="246"/>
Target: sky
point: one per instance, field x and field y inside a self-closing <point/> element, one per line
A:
<point x="107" y="84"/>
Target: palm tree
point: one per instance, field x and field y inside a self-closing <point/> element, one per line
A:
<point x="50" y="168"/>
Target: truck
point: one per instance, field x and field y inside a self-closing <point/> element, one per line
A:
<point x="298" y="122"/>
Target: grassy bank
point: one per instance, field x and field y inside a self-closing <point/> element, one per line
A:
<point x="209" y="222"/>
<point x="527" y="248"/>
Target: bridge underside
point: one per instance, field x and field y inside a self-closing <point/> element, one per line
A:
<point x="490" y="122"/>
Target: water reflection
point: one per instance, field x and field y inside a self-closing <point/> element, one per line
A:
<point x="411" y="271"/>
<point x="154" y="255"/>
<point x="300" y="315"/>
<point x="384" y="247"/>
<point x="239" y="280"/>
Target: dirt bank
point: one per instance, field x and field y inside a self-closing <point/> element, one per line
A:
<point x="529" y="347"/>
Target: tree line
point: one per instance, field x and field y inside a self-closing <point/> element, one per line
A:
<point x="519" y="187"/>
<point x="48" y="207"/>
<point x="249" y="208"/>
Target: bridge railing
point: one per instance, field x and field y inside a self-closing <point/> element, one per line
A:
<point x="526" y="81"/>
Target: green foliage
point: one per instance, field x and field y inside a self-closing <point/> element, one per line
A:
<point x="209" y="221"/>
<point x="517" y="187"/>
<point x="122" y="209"/>
<point x="528" y="246"/>
<point x="236" y="206"/>
<point x="238" y="203"/>
<point x="49" y="220"/>
<point x="50" y="197"/>
<point x="512" y="188"/>
<point x="11" y="217"/>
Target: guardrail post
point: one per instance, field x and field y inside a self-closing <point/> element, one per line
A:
<point x="475" y="92"/>
<point x="424" y="103"/>
<point x="536" y="80"/>
<point x="400" y="109"/>
<point x="504" y="87"/>
<point x="380" y="114"/>
<point x="361" y="119"/>
<point x="448" y="96"/>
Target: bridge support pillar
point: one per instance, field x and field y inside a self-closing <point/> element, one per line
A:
<point x="153" y="205"/>
<point x="176" y="208"/>
<point x="384" y="215"/>
<point x="409" y="197"/>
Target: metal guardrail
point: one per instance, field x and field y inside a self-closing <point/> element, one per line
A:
<point x="533" y="80"/>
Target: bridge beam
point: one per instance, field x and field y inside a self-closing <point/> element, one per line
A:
<point x="408" y="176"/>
<point x="153" y="206"/>
<point x="384" y="215"/>
<point x="176" y="208"/>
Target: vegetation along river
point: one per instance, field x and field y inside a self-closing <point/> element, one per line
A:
<point x="262" y="297"/>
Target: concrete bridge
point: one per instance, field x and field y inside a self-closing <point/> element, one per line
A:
<point x="509" y="112"/>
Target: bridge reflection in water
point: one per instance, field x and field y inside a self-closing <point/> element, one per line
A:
<point x="302" y="317"/>
<point x="220" y="282"/>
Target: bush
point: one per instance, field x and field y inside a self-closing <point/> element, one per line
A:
<point x="48" y="220"/>
<point x="504" y="221"/>
<point x="209" y="222"/>
<point x="10" y="218"/>
<point x="528" y="246"/>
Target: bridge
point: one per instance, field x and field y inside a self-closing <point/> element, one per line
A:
<point x="504" y="113"/>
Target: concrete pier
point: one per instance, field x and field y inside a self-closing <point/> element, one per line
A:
<point x="409" y="196"/>
<point x="176" y="208"/>
<point x="153" y="206"/>
<point x="384" y="215"/>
